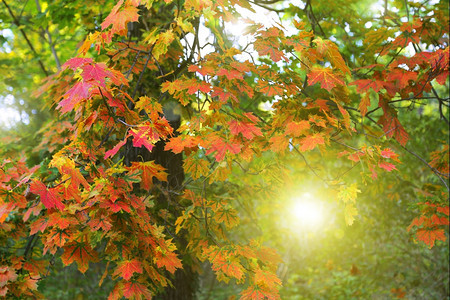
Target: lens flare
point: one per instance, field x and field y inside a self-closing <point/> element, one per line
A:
<point x="308" y="211"/>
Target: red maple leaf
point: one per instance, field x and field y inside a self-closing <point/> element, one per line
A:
<point x="136" y="290"/>
<point x="127" y="268"/>
<point x="247" y="129"/>
<point x="363" y="85"/>
<point x="388" y="153"/>
<point x="76" y="62"/>
<point x="7" y="274"/>
<point x="114" y="150"/>
<point x="77" y="93"/>
<point x="230" y="74"/>
<point x="401" y="77"/>
<point x="49" y="198"/>
<point x="95" y="72"/>
<point x="393" y="127"/>
<point x="325" y="76"/>
<point x="196" y="86"/>
<point x="221" y="146"/>
<point x="144" y="136"/>
<point x="387" y="166"/>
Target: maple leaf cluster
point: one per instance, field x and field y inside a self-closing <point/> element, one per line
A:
<point x="99" y="197"/>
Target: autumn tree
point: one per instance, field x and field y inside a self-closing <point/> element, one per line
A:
<point x="168" y="146"/>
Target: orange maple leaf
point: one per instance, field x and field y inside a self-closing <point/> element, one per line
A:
<point x="429" y="236"/>
<point x="297" y="128"/>
<point x="311" y="141"/>
<point x="364" y="104"/>
<point x="325" y="76"/>
<point x="7" y="274"/>
<point x="127" y="268"/>
<point x="168" y="260"/>
<point x="258" y="293"/>
<point x="49" y="197"/>
<point x="247" y="129"/>
<point x="120" y="19"/>
<point x="81" y="253"/>
<point x="222" y="146"/>
<point x="149" y="170"/>
<point x="178" y="143"/>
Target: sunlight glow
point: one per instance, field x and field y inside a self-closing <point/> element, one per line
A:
<point x="308" y="211"/>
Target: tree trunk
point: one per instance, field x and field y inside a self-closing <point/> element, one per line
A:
<point x="184" y="280"/>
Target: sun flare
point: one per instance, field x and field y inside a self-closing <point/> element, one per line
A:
<point x="308" y="211"/>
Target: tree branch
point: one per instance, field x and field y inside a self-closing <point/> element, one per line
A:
<point x="50" y="41"/>
<point x="17" y="23"/>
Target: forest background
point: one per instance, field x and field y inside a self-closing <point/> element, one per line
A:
<point x="216" y="149"/>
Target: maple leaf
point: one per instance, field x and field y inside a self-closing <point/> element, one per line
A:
<point x="387" y="166"/>
<point x="401" y="77"/>
<point x="7" y="274"/>
<point x="429" y="236"/>
<point x="388" y="153"/>
<point x="331" y="51"/>
<point x="145" y="136"/>
<point x="258" y="293"/>
<point x="77" y="62"/>
<point x="120" y="19"/>
<point x="178" y="143"/>
<point x="196" y="167"/>
<point x="127" y="268"/>
<point x="194" y="86"/>
<point x="204" y="70"/>
<point x="168" y="260"/>
<point x="49" y="197"/>
<point x="363" y="85"/>
<point x="269" y="46"/>
<point x="95" y="72"/>
<point x="223" y="96"/>
<point x="247" y="129"/>
<point x="348" y="193"/>
<point x="136" y="290"/>
<point x="221" y="147"/>
<point x="278" y="143"/>
<point x="39" y="224"/>
<point x="267" y="279"/>
<point x="114" y="150"/>
<point x="81" y="253"/>
<point x="74" y="95"/>
<point x="149" y="170"/>
<point x="325" y="76"/>
<point x="297" y="128"/>
<point x="364" y="104"/>
<point x="230" y="74"/>
<point x="393" y="127"/>
<point x="228" y="216"/>
<point x="311" y="141"/>
<point x="270" y="89"/>
<point x="350" y="213"/>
